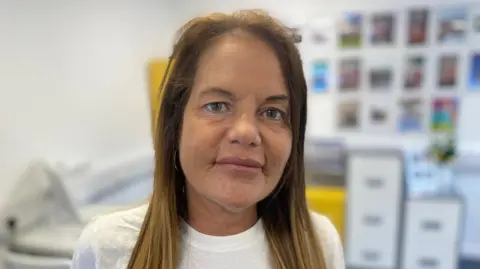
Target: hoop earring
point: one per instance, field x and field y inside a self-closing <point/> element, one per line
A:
<point x="175" y="160"/>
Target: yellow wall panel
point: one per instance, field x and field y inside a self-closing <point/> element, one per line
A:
<point x="330" y="202"/>
<point x="157" y="69"/>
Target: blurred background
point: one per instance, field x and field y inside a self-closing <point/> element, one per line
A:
<point x="393" y="148"/>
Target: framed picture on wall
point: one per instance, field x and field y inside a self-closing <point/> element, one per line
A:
<point x="382" y="30"/>
<point x="447" y="71"/>
<point x="349" y="74"/>
<point x="320" y="76"/>
<point x="379" y="116"/>
<point x="411" y="115"/>
<point x="414" y="73"/>
<point x="444" y="114"/>
<point x="348" y="115"/>
<point x="474" y="76"/>
<point x="451" y="25"/>
<point x="417" y="26"/>
<point x="350" y="30"/>
<point x="322" y="31"/>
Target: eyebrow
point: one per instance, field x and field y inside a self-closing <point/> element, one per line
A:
<point x="229" y="95"/>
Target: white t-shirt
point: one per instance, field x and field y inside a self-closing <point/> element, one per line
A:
<point x="107" y="243"/>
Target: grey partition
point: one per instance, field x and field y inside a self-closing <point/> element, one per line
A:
<point x="325" y="162"/>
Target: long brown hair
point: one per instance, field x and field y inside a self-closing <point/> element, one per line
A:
<point x="289" y="231"/>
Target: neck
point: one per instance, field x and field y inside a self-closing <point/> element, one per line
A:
<point x="208" y="217"/>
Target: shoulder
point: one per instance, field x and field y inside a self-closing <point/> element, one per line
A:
<point x="330" y="241"/>
<point x="107" y="241"/>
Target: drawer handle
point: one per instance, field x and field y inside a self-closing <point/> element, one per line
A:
<point x="374" y="183"/>
<point x="372" y="220"/>
<point x="431" y="225"/>
<point x="371" y="256"/>
<point x="428" y="262"/>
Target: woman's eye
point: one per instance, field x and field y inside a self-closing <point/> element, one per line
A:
<point x="216" y="107"/>
<point x="274" y="114"/>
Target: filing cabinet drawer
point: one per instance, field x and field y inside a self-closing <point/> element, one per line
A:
<point x="430" y="256"/>
<point x="370" y="249"/>
<point x="433" y="221"/>
<point x="374" y="179"/>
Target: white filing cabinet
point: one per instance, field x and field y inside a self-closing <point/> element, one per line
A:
<point x="375" y="186"/>
<point x="432" y="233"/>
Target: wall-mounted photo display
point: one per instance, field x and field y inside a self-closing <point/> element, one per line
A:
<point x="350" y="30"/>
<point x="348" y="115"/>
<point x="452" y="25"/>
<point x="349" y="74"/>
<point x="414" y="74"/>
<point x="418" y="26"/>
<point x="411" y="115"/>
<point x="474" y="76"/>
<point x="320" y="76"/>
<point x="444" y="114"/>
<point x="447" y="71"/>
<point x="382" y="30"/>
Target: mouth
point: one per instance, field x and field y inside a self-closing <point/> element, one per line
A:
<point x="240" y="165"/>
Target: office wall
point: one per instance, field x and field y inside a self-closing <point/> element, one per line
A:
<point x="73" y="80"/>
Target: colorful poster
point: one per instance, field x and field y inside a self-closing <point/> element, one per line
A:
<point x="411" y="116"/>
<point x="382" y="29"/>
<point x="350" y="30"/>
<point x="320" y="76"/>
<point x="474" y="77"/>
<point x="452" y="25"/>
<point x="417" y="26"/>
<point x="444" y="114"/>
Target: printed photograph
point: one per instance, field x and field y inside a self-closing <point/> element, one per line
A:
<point x="418" y="26"/>
<point x="379" y="117"/>
<point x="320" y="76"/>
<point x="444" y="114"/>
<point x="380" y="78"/>
<point x="447" y="73"/>
<point x="321" y="30"/>
<point x="348" y="115"/>
<point x="411" y="115"/>
<point x="350" y="30"/>
<point x="452" y="25"/>
<point x="382" y="28"/>
<point x="349" y="73"/>
<point x="414" y="72"/>
<point x="296" y="34"/>
<point x="476" y="23"/>
<point x="474" y="78"/>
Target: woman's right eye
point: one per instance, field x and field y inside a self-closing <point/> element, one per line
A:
<point x="216" y="107"/>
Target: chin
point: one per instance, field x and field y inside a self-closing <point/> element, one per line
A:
<point x="237" y="205"/>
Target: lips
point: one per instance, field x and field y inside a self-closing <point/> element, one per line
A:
<point x="245" y="162"/>
<point x="240" y="166"/>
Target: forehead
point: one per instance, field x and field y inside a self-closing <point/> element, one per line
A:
<point x="240" y="63"/>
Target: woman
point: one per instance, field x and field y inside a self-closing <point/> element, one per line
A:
<point x="229" y="188"/>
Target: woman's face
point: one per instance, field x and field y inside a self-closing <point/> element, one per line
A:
<point x="235" y="140"/>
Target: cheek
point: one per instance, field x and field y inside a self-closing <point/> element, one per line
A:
<point x="279" y="150"/>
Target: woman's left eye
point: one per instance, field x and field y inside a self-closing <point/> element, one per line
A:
<point x="274" y="114"/>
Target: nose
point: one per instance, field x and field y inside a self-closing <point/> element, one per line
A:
<point x="244" y="131"/>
